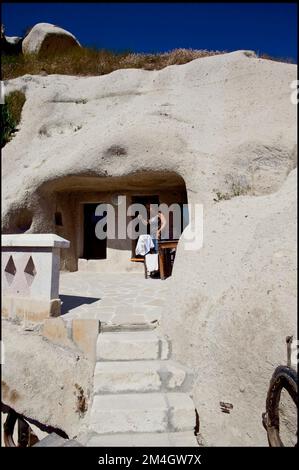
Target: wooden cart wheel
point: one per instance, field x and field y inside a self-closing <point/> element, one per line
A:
<point x="284" y="377"/>
<point x="26" y="437"/>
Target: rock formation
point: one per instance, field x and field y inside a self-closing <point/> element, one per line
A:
<point x="48" y="39"/>
<point x="224" y="124"/>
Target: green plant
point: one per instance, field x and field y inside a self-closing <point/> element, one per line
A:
<point x="221" y="196"/>
<point x="236" y="190"/>
<point x="7" y="124"/>
<point x="11" y="112"/>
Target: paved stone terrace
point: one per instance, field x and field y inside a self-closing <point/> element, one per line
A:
<point x="112" y="298"/>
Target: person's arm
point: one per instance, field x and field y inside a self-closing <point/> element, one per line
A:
<point x="142" y="219"/>
<point x="163" y="223"/>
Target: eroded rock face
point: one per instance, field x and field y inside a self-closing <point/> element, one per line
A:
<point x="45" y="382"/>
<point x="230" y="308"/>
<point x="226" y="125"/>
<point x="48" y="39"/>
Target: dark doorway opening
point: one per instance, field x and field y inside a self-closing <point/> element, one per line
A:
<point x="94" y="248"/>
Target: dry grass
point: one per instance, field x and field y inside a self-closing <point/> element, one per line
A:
<point x="15" y="102"/>
<point x="86" y="61"/>
<point x="288" y="60"/>
<point x="89" y="62"/>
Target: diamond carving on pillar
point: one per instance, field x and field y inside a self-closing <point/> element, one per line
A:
<point x="30" y="271"/>
<point x="10" y="270"/>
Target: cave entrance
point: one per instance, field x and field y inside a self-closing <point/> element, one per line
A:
<point x="76" y="200"/>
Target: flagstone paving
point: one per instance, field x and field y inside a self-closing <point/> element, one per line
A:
<point x="112" y="298"/>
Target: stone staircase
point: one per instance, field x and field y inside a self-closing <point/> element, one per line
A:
<point x="140" y="395"/>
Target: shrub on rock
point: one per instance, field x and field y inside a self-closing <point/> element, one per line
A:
<point x="11" y="115"/>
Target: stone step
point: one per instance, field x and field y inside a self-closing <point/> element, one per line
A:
<point x="140" y="376"/>
<point x="159" y="439"/>
<point x="131" y="346"/>
<point x="142" y="412"/>
<point x="129" y="321"/>
<point x="134" y="325"/>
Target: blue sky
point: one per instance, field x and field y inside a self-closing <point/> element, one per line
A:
<point x="157" y="27"/>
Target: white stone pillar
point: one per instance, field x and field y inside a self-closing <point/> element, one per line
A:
<point x="30" y="275"/>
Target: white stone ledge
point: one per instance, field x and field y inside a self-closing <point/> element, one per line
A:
<point x="34" y="240"/>
<point x="30" y="275"/>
